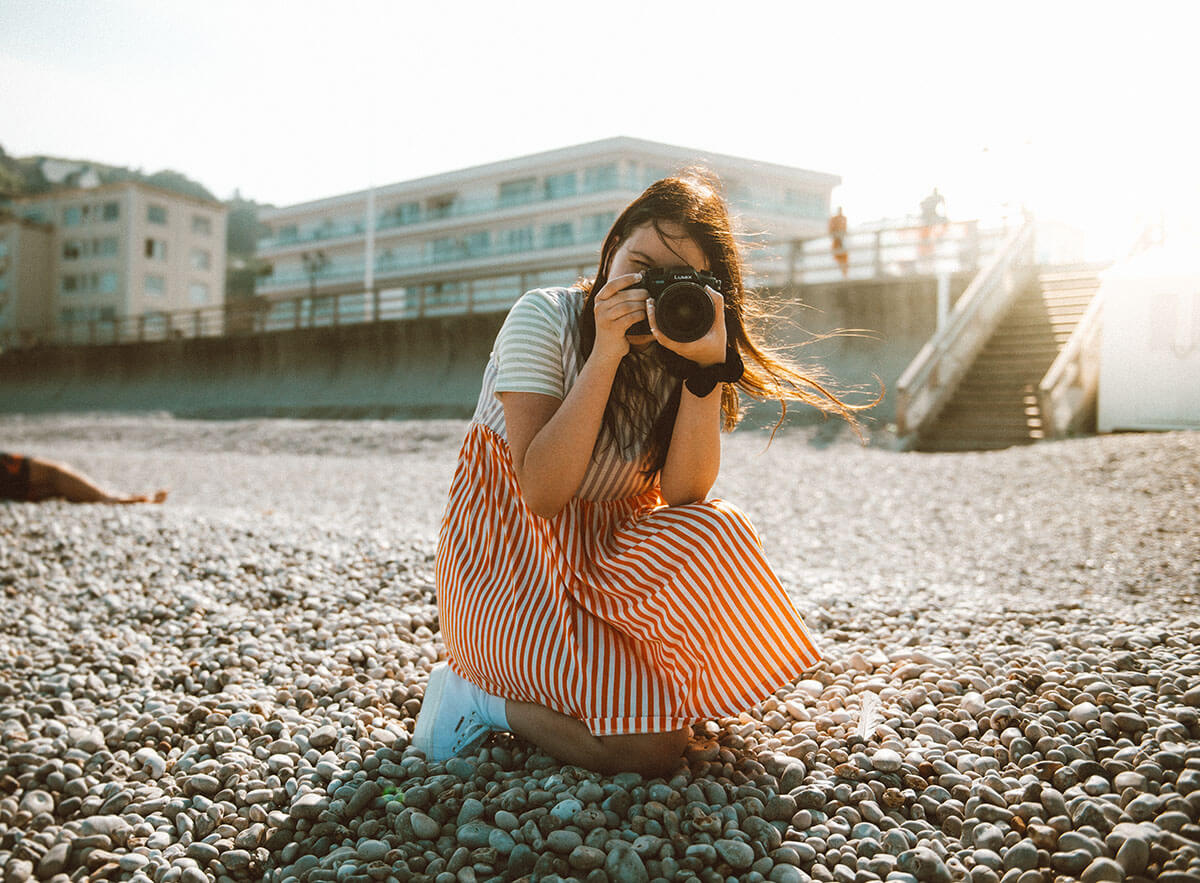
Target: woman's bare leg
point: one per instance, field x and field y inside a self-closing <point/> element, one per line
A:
<point x="569" y="740"/>
<point x="48" y="480"/>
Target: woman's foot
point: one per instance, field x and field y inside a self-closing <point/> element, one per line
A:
<point x="455" y="716"/>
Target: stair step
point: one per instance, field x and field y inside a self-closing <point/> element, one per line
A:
<point x="1018" y="351"/>
<point x="982" y="436"/>
<point x="967" y="446"/>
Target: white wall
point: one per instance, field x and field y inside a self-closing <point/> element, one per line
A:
<point x="1150" y="352"/>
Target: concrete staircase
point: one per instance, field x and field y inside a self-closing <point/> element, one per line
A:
<point x="995" y="405"/>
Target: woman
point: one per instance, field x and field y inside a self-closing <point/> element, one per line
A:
<point x="592" y="600"/>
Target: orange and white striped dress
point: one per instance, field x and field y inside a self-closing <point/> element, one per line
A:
<point x="623" y="612"/>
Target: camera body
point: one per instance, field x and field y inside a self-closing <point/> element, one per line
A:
<point x="682" y="308"/>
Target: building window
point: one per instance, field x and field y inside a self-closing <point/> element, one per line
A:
<point x="72" y="250"/>
<point x="599" y="178"/>
<point x="197" y="294"/>
<point x="72" y="216"/>
<point x="478" y="243"/>
<point x="517" y="192"/>
<point x="441" y="206"/>
<point x="405" y="213"/>
<point x="156" y="214"/>
<point x="596" y="227"/>
<point x="156" y="249"/>
<point x="201" y="225"/>
<point x="108" y="282"/>
<point x="3" y="248"/>
<point x="107" y="247"/>
<point x="517" y="240"/>
<point x="201" y="259"/>
<point x="112" y="210"/>
<point x="448" y="248"/>
<point x="559" y="234"/>
<point x="559" y="186"/>
<point x="156" y="286"/>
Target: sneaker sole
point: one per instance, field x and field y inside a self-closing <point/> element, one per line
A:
<point x="430" y="706"/>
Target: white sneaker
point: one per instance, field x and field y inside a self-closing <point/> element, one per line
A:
<point x="450" y="722"/>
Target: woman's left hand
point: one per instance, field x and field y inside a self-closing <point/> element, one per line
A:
<point x="709" y="349"/>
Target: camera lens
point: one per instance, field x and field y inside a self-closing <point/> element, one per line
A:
<point x="684" y="312"/>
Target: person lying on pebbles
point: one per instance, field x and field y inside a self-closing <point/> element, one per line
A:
<point x="34" y="479"/>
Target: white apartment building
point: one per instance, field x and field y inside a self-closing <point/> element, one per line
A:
<point x="475" y="239"/>
<point x="84" y="264"/>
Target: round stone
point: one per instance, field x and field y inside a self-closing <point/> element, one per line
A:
<point x="475" y="834"/>
<point x="372" y="850"/>
<point x="563" y="841"/>
<point x="37" y="802"/>
<point x="586" y="858"/>
<point x="1103" y="869"/>
<point x="886" y="761"/>
<point x="423" y="827"/>
<point x="1084" y="713"/>
<point x="737" y="854"/>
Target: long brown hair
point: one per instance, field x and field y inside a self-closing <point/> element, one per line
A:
<point x="692" y="201"/>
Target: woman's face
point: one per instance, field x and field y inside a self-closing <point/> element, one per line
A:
<point x="647" y="248"/>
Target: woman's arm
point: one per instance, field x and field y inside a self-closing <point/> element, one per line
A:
<point x="694" y="455"/>
<point x="551" y="441"/>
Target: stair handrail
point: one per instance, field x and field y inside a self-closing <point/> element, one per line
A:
<point x="1071" y="382"/>
<point x="929" y="380"/>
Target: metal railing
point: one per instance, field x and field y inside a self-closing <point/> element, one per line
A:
<point x="904" y="249"/>
<point x="930" y="379"/>
<point x="1069" y="388"/>
<point x="262" y="316"/>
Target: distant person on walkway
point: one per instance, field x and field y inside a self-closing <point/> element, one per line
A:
<point x="933" y="208"/>
<point x="837" y="239"/>
<point x="933" y="218"/>
<point x="593" y="599"/>
<point x="32" y="479"/>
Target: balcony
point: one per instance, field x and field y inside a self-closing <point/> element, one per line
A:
<point x="341" y="271"/>
<point x="466" y="208"/>
<point x="630" y="183"/>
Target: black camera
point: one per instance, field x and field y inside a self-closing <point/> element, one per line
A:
<point x="682" y="307"/>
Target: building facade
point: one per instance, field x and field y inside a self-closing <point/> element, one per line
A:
<point x="26" y="265"/>
<point x="109" y="257"/>
<point x="474" y="240"/>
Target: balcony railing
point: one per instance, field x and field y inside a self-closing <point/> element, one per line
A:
<point x="465" y="208"/>
<point x="459" y="208"/>
<point x="337" y="271"/>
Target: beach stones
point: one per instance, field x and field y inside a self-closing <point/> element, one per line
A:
<point x="208" y="691"/>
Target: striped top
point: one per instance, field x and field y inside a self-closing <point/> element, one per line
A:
<point x="538" y="351"/>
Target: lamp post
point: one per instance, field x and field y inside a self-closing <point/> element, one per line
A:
<point x="314" y="265"/>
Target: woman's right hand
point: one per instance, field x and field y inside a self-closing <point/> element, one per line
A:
<point x="618" y="307"/>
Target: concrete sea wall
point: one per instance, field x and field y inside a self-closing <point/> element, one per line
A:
<point x="417" y="368"/>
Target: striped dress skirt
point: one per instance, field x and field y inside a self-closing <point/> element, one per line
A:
<point x="627" y="614"/>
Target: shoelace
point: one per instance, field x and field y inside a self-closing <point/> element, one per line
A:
<point x="474" y="730"/>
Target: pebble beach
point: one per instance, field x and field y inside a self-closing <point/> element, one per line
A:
<point x="224" y="687"/>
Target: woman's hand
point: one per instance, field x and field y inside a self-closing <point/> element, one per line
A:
<point x="709" y="349"/>
<point x="618" y="307"/>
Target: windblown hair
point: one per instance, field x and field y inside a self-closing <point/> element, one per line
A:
<point x="692" y="201"/>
